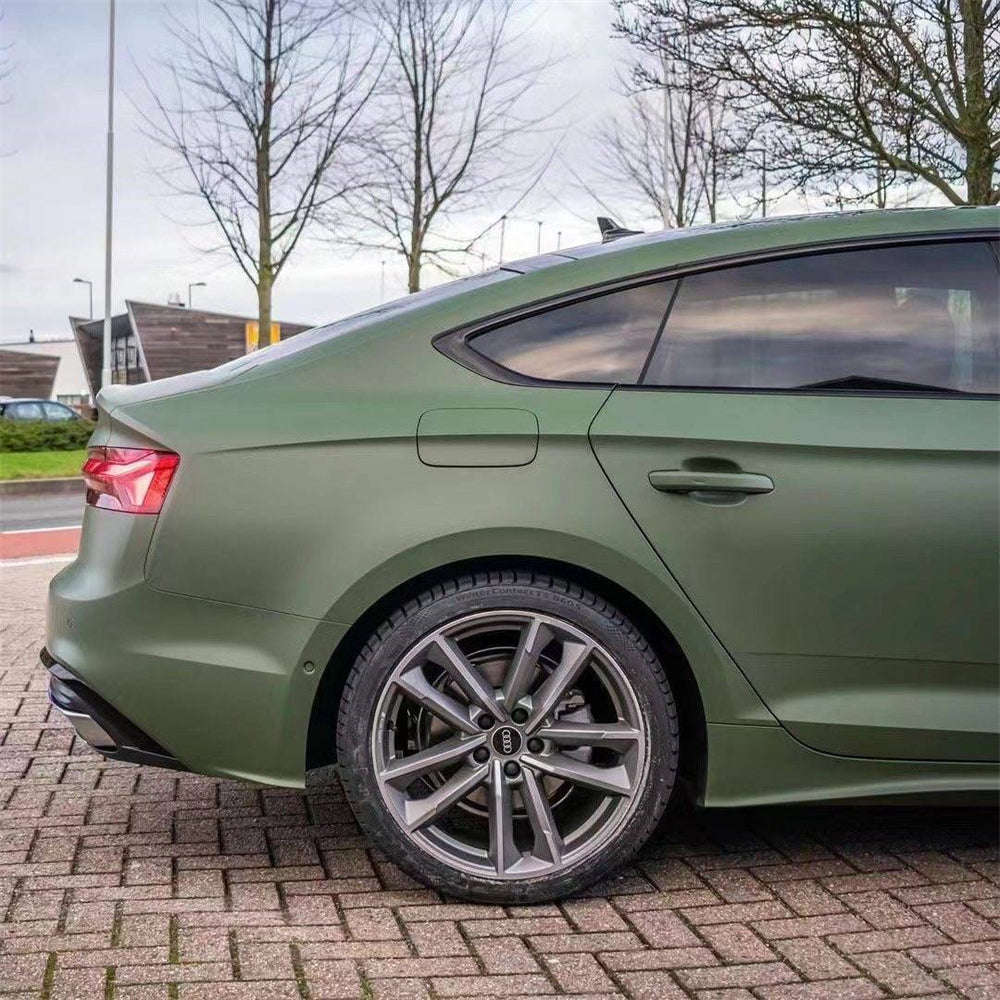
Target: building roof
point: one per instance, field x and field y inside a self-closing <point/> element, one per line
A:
<point x="71" y="380"/>
<point x="25" y="374"/>
<point x="171" y="340"/>
<point x="88" y="334"/>
<point x="174" y="340"/>
<point x="39" y="342"/>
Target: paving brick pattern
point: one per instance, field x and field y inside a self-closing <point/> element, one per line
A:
<point x="126" y="883"/>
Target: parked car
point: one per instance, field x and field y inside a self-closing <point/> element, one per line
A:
<point x="36" y="409"/>
<point x="531" y="553"/>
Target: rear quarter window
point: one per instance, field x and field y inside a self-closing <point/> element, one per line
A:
<point x="604" y="339"/>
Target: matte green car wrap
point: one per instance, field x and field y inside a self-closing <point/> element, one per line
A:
<point x="315" y="482"/>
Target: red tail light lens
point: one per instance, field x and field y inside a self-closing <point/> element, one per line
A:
<point x="134" y="480"/>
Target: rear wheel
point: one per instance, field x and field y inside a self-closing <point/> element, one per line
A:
<point x="508" y="736"/>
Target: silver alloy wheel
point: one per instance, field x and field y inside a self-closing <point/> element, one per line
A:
<point x="509" y="744"/>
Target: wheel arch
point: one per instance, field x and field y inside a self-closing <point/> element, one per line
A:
<point x="321" y="742"/>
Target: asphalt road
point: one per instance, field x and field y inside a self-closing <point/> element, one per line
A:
<point x="22" y="513"/>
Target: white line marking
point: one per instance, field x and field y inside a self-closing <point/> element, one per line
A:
<point x="28" y="531"/>
<point x="35" y="561"/>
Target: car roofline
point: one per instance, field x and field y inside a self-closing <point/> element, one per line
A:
<point x="776" y="223"/>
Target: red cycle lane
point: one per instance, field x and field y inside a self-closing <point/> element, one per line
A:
<point x="39" y="542"/>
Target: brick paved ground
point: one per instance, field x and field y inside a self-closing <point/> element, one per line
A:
<point x="125" y="882"/>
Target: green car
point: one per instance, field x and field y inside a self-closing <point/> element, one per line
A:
<point x="527" y="555"/>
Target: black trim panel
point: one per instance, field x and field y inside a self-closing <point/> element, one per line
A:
<point x="68" y="693"/>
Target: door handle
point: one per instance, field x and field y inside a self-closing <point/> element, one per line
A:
<point x="688" y="481"/>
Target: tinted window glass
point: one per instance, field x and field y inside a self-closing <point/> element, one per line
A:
<point x="25" y="411"/>
<point x="53" y="411"/>
<point x="603" y="339"/>
<point x="922" y="314"/>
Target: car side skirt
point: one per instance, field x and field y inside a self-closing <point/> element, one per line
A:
<point x="760" y="765"/>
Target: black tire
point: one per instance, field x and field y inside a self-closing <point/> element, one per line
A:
<point x="481" y="592"/>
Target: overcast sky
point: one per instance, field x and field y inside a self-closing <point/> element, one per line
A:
<point x="52" y="142"/>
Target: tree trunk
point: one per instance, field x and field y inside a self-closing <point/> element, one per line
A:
<point x="416" y="223"/>
<point x="265" y="283"/>
<point x="265" y="264"/>
<point x="265" y="243"/>
<point x="980" y="165"/>
<point x="413" y="274"/>
<point x="265" y="267"/>
<point x="665" y="151"/>
<point x="413" y="262"/>
<point x="980" y="159"/>
<point x="713" y="182"/>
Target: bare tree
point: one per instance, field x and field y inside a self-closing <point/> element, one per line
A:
<point x="261" y="122"/>
<point x="6" y="63"/>
<point x="718" y="137"/>
<point x="856" y="91"/>
<point x="454" y="114"/>
<point x="6" y="69"/>
<point x="672" y="146"/>
<point x="651" y="150"/>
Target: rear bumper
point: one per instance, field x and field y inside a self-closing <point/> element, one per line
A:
<point x="99" y="724"/>
<point x="222" y="688"/>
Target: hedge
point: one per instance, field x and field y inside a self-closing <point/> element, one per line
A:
<point x="44" y="435"/>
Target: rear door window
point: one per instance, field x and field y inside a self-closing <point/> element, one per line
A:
<point x="56" y="411"/>
<point x="916" y="315"/>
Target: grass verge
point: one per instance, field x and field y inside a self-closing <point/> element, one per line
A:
<point x="41" y="464"/>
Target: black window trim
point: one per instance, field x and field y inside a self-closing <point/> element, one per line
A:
<point x="455" y="343"/>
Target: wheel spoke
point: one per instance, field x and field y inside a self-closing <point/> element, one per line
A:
<point x="446" y="653"/>
<point x="615" y="735"/>
<point x="446" y="708"/>
<point x="503" y="850"/>
<point x="548" y="844"/>
<point x="421" y="812"/>
<point x="610" y="780"/>
<point x="535" y="636"/>
<point x="574" y="659"/>
<point x="402" y="770"/>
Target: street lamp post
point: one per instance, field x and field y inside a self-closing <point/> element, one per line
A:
<point x="194" y="284"/>
<point x="90" y="292"/>
<point x="109" y="182"/>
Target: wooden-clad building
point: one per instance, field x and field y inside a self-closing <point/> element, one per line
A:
<point x="152" y="341"/>
<point x="26" y="374"/>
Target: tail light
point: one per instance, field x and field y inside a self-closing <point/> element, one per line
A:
<point x="134" y="480"/>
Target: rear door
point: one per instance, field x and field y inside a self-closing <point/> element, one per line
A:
<point x="841" y="540"/>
